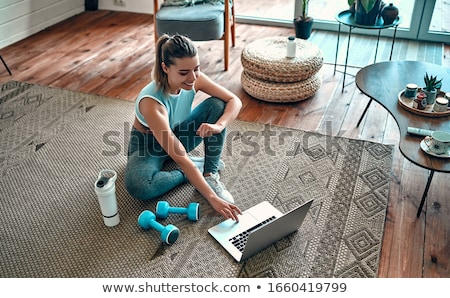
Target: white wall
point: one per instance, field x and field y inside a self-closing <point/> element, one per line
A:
<point x="140" y="6"/>
<point x="22" y="18"/>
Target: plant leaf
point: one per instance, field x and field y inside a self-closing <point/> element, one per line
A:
<point x="368" y="4"/>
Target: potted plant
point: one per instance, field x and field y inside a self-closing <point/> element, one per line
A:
<point x="366" y="11"/>
<point x="303" y="22"/>
<point x="432" y="84"/>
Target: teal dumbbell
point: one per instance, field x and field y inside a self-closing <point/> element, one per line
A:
<point x="163" y="209"/>
<point x="169" y="234"/>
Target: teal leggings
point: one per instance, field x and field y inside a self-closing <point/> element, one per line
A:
<point x="144" y="178"/>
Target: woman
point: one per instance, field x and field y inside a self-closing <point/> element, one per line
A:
<point x="166" y="127"/>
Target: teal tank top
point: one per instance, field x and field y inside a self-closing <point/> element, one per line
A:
<point x="178" y="106"/>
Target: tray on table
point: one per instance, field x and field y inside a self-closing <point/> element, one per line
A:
<point x="407" y="103"/>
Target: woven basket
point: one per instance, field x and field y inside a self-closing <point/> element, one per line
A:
<point x="280" y="92"/>
<point x="266" y="59"/>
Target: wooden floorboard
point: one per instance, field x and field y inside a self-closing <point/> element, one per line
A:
<point x="112" y="53"/>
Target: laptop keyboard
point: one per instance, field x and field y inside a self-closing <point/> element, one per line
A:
<point x="240" y="239"/>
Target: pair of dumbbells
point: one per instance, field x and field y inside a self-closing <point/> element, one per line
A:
<point x="169" y="234"/>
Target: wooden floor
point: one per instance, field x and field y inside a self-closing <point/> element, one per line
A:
<point x="111" y="54"/>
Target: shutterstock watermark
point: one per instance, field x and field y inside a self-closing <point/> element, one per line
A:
<point x="249" y="142"/>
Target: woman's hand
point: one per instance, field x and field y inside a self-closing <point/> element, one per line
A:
<point x="226" y="209"/>
<point x="208" y="129"/>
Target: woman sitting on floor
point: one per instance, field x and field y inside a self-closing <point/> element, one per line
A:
<point x="167" y="127"/>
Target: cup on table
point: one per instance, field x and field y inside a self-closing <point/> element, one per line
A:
<point x="440" y="105"/>
<point x="438" y="142"/>
<point x="411" y="90"/>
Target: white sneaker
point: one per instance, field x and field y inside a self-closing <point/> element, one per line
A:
<point x="219" y="188"/>
<point x="200" y="163"/>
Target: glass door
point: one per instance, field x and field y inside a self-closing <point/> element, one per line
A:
<point x="436" y="27"/>
<point x="324" y="12"/>
<point x="421" y="19"/>
<point x="274" y="12"/>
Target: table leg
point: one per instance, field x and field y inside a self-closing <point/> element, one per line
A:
<point x="376" y="48"/>
<point x="430" y="177"/>
<point x="337" y="48"/>
<point x="346" y="58"/>
<point x="6" y="66"/>
<point x="393" y="41"/>
<point x="365" y="110"/>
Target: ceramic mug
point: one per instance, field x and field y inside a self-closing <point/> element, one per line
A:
<point x="438" y="142"/>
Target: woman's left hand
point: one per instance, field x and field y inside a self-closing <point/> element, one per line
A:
<point x="226" y="209"/>
<point x="208" y="129"/>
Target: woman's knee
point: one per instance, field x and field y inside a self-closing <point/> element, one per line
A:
<point x="216" y="103"/>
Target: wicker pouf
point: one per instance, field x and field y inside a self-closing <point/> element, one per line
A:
<point x="271" y="76"/>
<point x="280" y="92"/>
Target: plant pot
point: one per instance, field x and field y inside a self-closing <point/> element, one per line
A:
<point x="367" y="18"/>
<point x="352" y="9"/>
<point x="303" y="28"/>
<point x="90" y="5"/>
<point x="431" y="96"/>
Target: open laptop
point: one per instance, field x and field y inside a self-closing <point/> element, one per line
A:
<point x="259" y="227"/>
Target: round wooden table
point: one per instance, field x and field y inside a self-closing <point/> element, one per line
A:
<point x="382" y="82"/>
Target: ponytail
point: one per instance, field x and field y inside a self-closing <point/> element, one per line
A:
<point x="167" y="49"/>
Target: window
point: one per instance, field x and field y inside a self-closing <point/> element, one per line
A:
<point x="421" y="19"/>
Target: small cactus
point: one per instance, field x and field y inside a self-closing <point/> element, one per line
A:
<point x="431" y="82"/>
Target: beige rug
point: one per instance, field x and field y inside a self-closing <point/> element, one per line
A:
<point x="54" y="143"/>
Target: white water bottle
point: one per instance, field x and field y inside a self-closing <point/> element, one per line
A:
<point x="105" y="188"/>
<point x="291" y="47"/>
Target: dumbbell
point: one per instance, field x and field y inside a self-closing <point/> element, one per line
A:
<point x="163" y="209"/>
<point x="169" y="233"/>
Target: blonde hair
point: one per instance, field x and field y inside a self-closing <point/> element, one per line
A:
<point x="167" y="49"/>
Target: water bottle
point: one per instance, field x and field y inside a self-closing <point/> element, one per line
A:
<point x="291" y="47"/>
<point x="105" y="188"/>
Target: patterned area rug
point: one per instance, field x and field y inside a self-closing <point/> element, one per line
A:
<point x="54" y="143"/>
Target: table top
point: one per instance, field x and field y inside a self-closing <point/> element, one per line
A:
<point x="383" y="81"/>
<point x="347" y="18"/>
<point x="273" y="49"/>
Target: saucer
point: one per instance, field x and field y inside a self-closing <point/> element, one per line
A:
<point x="427" y="150"/>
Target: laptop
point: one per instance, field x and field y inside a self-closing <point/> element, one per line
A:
<point x="258" y="227"/>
